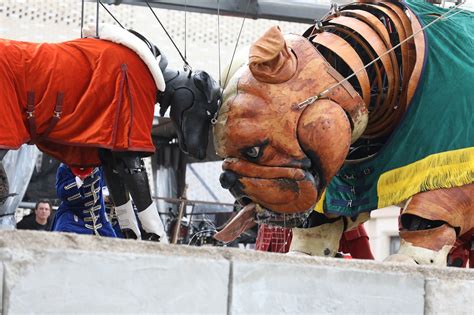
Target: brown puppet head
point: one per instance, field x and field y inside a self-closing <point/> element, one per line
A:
<point x="278" y="152"/>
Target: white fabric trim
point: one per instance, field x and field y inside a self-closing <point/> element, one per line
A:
<point x="151" y="222"/>
<point x="121" y="36"/>
<point x="127" y="219"/>
<point x="79" y="182"/>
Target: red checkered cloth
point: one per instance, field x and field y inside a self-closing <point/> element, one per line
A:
<point x="273" y="239"/>
<point x="278" y="240"/>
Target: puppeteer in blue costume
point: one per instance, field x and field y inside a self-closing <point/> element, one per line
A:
<point x="82" y="208"/>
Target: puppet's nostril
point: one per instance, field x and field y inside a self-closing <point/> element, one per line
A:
<point x="228" y="179"/>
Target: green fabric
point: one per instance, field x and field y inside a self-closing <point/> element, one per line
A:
<point x="440" y="117"/>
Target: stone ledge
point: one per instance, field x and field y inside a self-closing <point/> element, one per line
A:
<point x="68" y="273"/>
<point x="275" y="288"/>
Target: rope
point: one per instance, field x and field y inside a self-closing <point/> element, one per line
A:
<point x="314" y="98"/>
<point x="82" y="19"/>
<point x="185" y="28"/>
<point x="219" y="41"/>
<point x="236" y="44"/>
<point x="97" y="19"/>
<point x="186" y="64"/>
<point x="110" y="13"/>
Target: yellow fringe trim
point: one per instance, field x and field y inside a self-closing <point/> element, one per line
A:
<point x="441" y="170"/>
<point x="319" y="205"/>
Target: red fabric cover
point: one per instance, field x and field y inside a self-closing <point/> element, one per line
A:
<point x="278" y="240"/>
<point x="109" y="97"/>
<point x="356" y="243"/>
<point x="459" y="251"/>
<point x="471" y="259"/>
<point x="463" y="250"/>
<point x="273" y="239"/>
<point x="81" y="171"/>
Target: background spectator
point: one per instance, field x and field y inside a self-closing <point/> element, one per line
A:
<point x="40" y="219"/>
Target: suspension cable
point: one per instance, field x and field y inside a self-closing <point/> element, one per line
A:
<point x="82" y="19"/>
<point x="236" y="44"/>
<point x="110" y="13"/>
<point x="97" y="19"/>
<point x="185" y="28"/>
<point x="169" y="36"/>
<point x="219" y="41"/>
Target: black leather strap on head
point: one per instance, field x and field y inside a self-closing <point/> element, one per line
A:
<point x="154" y="50"/>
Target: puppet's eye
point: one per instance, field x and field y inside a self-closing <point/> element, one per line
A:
<point x="252" y="152"/>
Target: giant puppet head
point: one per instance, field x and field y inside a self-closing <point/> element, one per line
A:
<point x="280" y="151"/>
<point x="193" y="98"/>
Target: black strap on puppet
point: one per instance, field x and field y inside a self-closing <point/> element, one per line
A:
<point x="155" y="51"/>
<point x="30" y="116"/>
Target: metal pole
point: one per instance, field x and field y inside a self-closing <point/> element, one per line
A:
<point x="97" y="19"/>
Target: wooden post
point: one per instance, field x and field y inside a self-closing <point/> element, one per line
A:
<point x="177" y="226"/>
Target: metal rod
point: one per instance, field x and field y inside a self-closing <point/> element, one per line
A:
<point x="187" y="201"/>
<point x="97" y="19"/>
<point x="82" y="18"/>
<point x="203" y="182"/>
<point x="110" y="13"/>
<point x="167" y="34"/>
<point x="219" y="41"/>
<point x="236" y="45"/>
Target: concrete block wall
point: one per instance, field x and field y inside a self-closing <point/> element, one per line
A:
<point x="64" y="273"/>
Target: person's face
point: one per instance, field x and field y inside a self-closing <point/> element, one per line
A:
<point x="43" y="211"/>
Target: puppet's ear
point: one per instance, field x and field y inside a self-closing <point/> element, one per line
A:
<point x="206" y="84"/>
<point x="270" y="60"/>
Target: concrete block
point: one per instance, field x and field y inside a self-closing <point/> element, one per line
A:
<point x="276" y="288"/>
<point x="65" y="273"/>
<point x="60" y="280"/>
<point x="449" y="296"/>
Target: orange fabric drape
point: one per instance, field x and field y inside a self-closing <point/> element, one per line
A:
<point x="109" y="97"/>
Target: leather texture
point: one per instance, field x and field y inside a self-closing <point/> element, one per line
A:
<point x="297" y="147"/>
<point x="285" y="150"/>
<point x="270" y="60"/>
<point x="261" y="109"/>
<point x="455" y="206"/>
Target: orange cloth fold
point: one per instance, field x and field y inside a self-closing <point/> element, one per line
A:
<point x="109" y="97"/>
